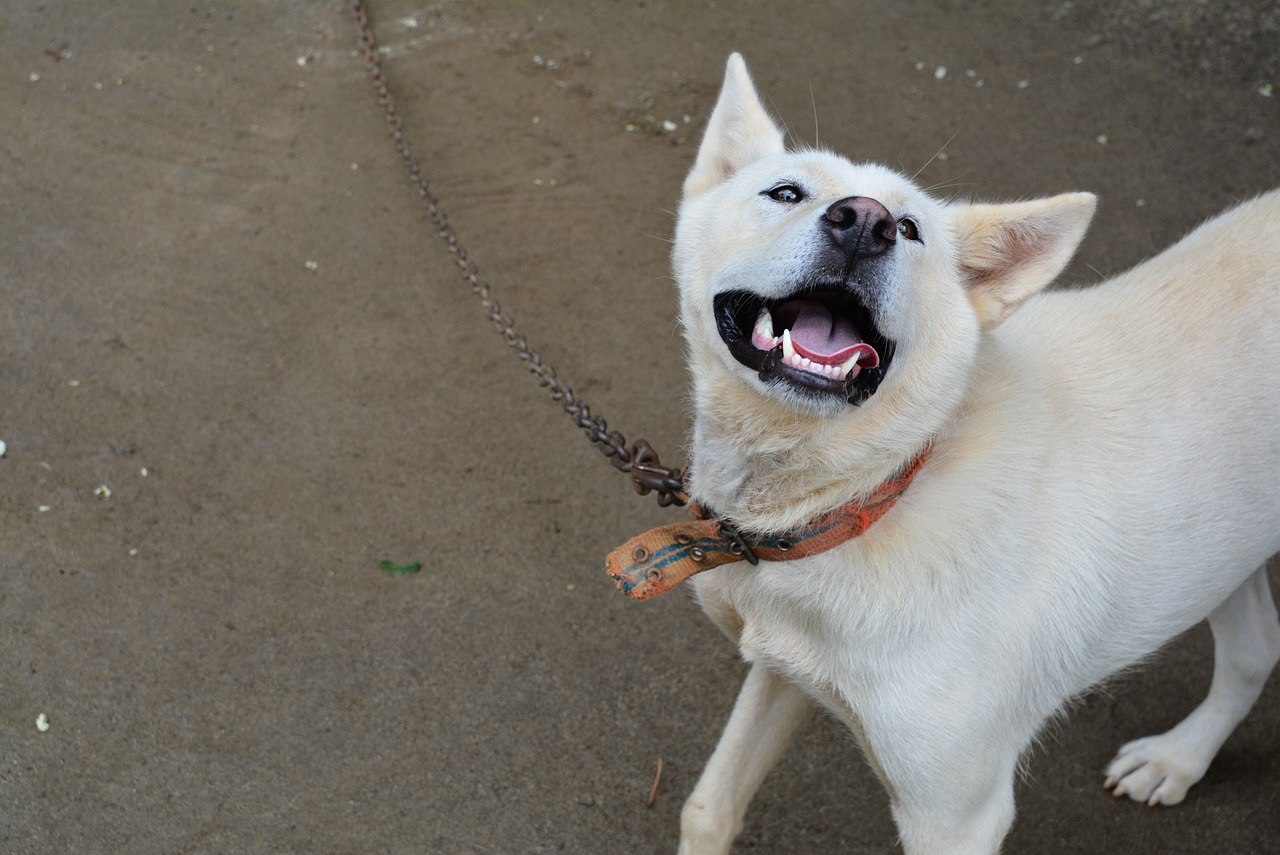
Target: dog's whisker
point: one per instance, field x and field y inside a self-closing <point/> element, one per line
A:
<point x="935" y="155"/>
<point x="950" y="182"/>
<point x="658" y="238"/>
<point x="817" y="138"/>
<point x="787" y="133"/>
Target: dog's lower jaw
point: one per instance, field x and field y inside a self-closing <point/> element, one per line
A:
<point x="825" y="395"/>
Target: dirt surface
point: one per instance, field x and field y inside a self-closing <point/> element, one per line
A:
<point x="237" y="373"/>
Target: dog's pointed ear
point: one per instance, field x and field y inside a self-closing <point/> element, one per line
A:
<point x="739" y="132"/>
<point x="1009" y="252"/>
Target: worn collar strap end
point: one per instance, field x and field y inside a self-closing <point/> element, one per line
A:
<point x="658" y="560"/>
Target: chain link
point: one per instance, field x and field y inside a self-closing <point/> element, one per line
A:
<point x="640" y="461"/>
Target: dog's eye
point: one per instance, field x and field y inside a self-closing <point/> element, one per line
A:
<point x="788" y="193"/>
<point x="908" y="229"/>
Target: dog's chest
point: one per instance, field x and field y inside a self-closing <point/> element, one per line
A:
<point x="854" y="624"/>
<point x="786" y="615"/>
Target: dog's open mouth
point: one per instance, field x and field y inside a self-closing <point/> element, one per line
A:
<point x="821" y="341"/>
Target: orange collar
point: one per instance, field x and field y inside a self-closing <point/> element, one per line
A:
<point x="658" y="560"/>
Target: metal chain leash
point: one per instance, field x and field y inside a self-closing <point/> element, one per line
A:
<point x="640" y="460"/>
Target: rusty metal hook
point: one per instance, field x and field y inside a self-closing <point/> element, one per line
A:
<point x="649" y="475"/>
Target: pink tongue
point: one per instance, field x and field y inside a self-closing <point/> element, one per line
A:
<point x="819" y="336"/>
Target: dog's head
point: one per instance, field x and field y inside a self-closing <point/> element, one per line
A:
<point x="837" y="289"/>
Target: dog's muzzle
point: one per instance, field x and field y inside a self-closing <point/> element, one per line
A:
<point x="822" y="338"/>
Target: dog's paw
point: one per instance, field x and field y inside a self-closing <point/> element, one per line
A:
<point x="1157" y="770"/>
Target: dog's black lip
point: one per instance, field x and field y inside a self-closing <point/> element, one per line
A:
<point x="736" y="312"/>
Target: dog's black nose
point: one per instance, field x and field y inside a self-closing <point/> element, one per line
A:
<point x="860" y="226"/>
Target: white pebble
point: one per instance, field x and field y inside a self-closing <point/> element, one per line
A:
<point x="1023" y="84"/>
<point x="311" y="265"/>
<point x="940" y="72"/>
<point x="1266" y="90"/>
<point x="102" y="491"/>
<point x="34" y="78"/>
<point x="3" y="448"/>
<point x="44" y="509"/>
<point x="42" y="723"/>
<point x="670" y="126"/>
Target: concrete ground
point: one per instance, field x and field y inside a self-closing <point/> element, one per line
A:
<point x="237" y="372"/>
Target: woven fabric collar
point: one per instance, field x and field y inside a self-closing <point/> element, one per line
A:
<point x="658" y="560"/>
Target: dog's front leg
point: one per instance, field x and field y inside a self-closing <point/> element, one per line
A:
<point x="765" y="718"/>
<point x="965" y="820"/>
<point x="950" y="769"/>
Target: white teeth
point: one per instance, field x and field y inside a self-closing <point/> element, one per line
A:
<point x="764" y="331"/>
<point x="762" y="334"/>
<point x="764" y="324"/>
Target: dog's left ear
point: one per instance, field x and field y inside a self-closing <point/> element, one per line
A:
<point x="739" y="132"/>
<point x="1009" y="252"/>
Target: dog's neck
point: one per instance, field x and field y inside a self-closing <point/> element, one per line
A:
<point x="770" y="469"/>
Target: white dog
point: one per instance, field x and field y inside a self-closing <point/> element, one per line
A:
<point x="1098" y="470"/>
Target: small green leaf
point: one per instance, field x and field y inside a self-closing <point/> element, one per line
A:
<point x="392" y="567"/>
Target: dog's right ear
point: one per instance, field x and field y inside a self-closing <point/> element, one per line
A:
<point x="739" y="132"/>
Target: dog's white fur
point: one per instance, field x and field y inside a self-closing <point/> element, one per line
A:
<point x="1105" y="474"/>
